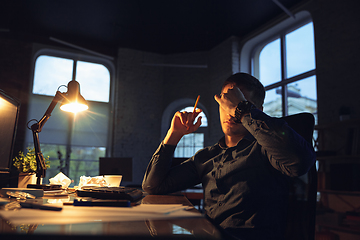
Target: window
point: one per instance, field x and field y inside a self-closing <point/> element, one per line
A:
<point x="74" y="143"/>
<point x="52" y="72"/>
<point x="192" y="142"/>
<point x="286" y="67"/>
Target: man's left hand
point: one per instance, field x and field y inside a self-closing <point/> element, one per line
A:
<point x="230" y="99"/>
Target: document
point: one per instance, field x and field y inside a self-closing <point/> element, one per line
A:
<point x="72" y="214"/>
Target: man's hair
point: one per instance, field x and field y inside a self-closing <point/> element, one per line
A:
<point x="251" y="84"/>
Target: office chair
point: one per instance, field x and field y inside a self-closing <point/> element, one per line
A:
<point x="303" y="190"/>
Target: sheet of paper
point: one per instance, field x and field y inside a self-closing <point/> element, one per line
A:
<point x="71" y="214"/>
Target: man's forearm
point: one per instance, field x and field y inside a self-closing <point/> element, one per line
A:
<point x="157" y="169"/>
<point x="287" y="151"/>
<point x="172" y="138"/>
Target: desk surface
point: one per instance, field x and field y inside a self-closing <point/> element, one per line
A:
<point x="183" y="227"/>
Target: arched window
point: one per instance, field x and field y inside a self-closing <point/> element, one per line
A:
<point x="286" y="67"/>
<point x="283" y="59"/>
<point x="73" y="142"/>
<point x="192" y="142"/>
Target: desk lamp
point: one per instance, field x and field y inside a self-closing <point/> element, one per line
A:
<point x="72" y="101"/>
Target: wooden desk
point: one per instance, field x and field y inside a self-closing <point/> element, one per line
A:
<point x="195" y="196"/>
<point x="183" y="228"/>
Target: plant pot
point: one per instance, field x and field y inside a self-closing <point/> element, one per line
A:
<point x="27" y="178"/>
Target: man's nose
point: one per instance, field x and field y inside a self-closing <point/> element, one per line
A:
<point x="230" y="117"/>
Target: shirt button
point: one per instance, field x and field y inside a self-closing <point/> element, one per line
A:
<point x="220" y="204"/>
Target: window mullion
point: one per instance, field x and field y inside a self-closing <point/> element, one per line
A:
<point x="74" y="70"/>
<point x="283" y="75"/>
<point x="68" y="144"/>
<point x="291" y="80"/>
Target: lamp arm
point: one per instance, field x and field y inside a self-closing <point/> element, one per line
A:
<point x="40" y="124"/>
<point x="36" y="128"/>
<point x="40" y="161"/>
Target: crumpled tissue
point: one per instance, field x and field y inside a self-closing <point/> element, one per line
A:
<point x="60" y="179"/>
<point x="98" y="181"/>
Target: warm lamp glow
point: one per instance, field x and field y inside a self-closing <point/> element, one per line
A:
<point x="73" y="101"/>
<point x="2" y="102"/>
<point x="74" y="107"/>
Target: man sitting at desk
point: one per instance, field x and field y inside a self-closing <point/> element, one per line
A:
<point x="244" y="175"/>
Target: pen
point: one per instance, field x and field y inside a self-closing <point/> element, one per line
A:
<point x="102" y="203"/>
<point x="197" y="100"/>
<point x="40" y="206"/>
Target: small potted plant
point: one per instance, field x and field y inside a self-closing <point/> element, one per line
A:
<point x="26" y="165"/>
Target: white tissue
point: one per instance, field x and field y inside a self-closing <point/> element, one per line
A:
<point x="60" y="179"/>
<point x="98" y="181"/>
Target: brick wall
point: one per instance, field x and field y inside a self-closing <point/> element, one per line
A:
<point x="337" y="46"/>
<point x="15" y="71"/>
<point x="148" y="83"/>
<point x="138" y="108"/>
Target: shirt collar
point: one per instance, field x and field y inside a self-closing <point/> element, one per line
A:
<point x="248" y="137"/>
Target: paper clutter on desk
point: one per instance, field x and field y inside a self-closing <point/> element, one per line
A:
<point x="101" y="181"/>
<point x="60" y="179"/>
<point x="98" y="181"/>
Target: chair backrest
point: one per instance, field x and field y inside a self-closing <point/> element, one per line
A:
<point x="303" y="190"/>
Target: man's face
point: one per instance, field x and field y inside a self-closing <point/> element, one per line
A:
<point x="228" y="125"/>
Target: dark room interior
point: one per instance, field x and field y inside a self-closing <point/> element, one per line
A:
<point x="159" y="56"/>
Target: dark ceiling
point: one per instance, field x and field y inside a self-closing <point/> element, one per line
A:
<point x="169" y="26"/>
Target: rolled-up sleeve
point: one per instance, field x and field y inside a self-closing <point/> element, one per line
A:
<point x="161" y="178"/>
<point x="286" y="150"/>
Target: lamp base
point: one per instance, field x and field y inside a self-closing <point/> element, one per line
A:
<point x="45" y="187"/>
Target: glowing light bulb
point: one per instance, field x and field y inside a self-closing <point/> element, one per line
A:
<point x="74" y="107"/>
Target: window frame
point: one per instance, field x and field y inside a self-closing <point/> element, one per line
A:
<point x="73" y="55"/>
<point x="41" y="50"/>
<point x="201" y="130"/>
<point x="252" y="48"/>
<point x="177" y="105"/>
<point x="253" y="43"/>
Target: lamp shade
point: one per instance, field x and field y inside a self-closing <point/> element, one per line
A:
<point x="73" y="101"/>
